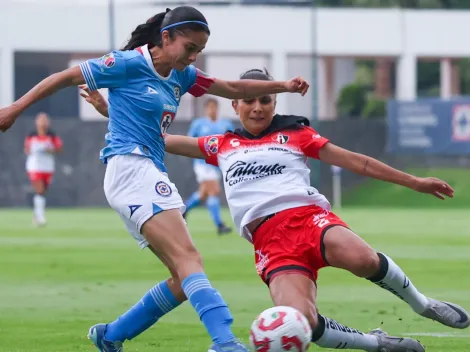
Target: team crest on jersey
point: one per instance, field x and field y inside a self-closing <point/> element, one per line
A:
<point x="212" y="145"/>
<point x="163" y="189"/>
<point x="177" y="92"/>
<point x="108" y="60"/>
<point x="281" y="138"/>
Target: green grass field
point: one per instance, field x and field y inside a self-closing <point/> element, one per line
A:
<point x="83" y="268"/>
<point x="382" y="194"/>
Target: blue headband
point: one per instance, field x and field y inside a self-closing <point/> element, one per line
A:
<point x="183" y="22"/>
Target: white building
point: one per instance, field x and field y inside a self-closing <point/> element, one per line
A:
<point x="282" y="39"/>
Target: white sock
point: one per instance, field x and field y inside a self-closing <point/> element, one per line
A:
<point x="39" y="207"/>
<point x="331" y="334"/>
<point x="391" y="278"/>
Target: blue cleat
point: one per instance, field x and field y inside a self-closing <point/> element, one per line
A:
<point x="232" y="346"/>
<point x="96" y="335"/>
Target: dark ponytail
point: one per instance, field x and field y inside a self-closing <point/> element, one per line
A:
<point x="150" y="32"/>
<point x="147" y="32"/>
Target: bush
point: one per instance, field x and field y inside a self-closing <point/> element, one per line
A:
<point x="351" y="100"/>
<point x="374" y="108"/>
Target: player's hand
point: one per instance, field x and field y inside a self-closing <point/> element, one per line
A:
<point x="297" y="85"/>
<point x="8" y="117"/>
<point x="433" y="186"/>
<point x="94" y="98"/>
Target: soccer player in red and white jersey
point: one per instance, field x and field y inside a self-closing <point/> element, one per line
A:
<point x="291" y="225"/>
<point x="40" y="147"/>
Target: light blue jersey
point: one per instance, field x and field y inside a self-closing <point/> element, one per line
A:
<point x="142" y="104"/>
<point x="204" y="126"/>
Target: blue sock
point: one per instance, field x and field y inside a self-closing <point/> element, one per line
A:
<point x="155" y="304"/>
<point x="210" y="307"/>
<point x="193" y="201"/>
<point x="213" y="205"/>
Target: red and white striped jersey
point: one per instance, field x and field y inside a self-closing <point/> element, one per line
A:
<point x="40" y="158"/>
<point x="267" y="173"/>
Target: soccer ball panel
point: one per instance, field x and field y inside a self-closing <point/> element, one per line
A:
<point x="280" y="329"/>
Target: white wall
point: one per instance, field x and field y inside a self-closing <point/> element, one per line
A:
<point x="274" y="32"/>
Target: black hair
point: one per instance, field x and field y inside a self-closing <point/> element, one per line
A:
<point x="149" y="32"/>
<point x="257" y="74"/>
<point x="211" y="100"/>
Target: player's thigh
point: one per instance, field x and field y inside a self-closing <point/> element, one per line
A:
<point x="150" y="207"/>
<point x="346" y="250"/>
<point x="297" y="291"/>
<point x="37" y="182"/>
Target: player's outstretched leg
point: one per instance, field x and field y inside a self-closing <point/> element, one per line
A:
<point x="298" y="291"/>
<point x="157" y="302"/>
<point x="168" y="235"/>
<point x="344" y="249"/>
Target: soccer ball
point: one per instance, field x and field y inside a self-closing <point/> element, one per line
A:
<point x="280" y="329"/>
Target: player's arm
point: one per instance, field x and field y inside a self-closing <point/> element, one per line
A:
<point x="48" y="86"/>
<point x="183" y="145"/>
<point x="367" y="166"/>
<point x="247" y="88"/>
<point x="199" y="83"/>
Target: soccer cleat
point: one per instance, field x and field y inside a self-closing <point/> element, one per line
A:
<point x="232" y="346"/>
<point x="223" y="229"/>
<point x="446" y="313"/>
<point x="96" y="335"/>
<point x="389" y="343"/>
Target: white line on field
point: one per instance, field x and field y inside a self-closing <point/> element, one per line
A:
<point x="436" y="334"/>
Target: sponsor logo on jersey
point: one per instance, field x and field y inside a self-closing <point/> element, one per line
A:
<point x="168" y="107"/>
<point x="241" y="171"/>
<point x="278" y="149"/>
<point x="235" y="143"/>
<point x="163" y="189"/>
<point x="108" y="60"/>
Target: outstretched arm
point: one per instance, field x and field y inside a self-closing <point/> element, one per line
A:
<point x="367" y="166"/>
<point x="183" y="145"/>
<point x="48" y="86"/>
<point x="248" y="88"/>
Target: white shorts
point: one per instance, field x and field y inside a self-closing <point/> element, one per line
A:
<point x="205" y="172"/>
<point x="136" y="189"/>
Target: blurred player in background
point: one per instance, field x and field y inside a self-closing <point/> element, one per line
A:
<point x="208" y="176"/>
<point x="40" y="147"/>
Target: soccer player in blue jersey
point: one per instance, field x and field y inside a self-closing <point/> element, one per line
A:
<point x="146" y="81"/>
<point x="208" y="176"/>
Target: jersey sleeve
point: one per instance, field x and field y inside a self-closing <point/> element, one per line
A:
<point x="210" y="146"/>
<point x="57" y="141"/>
<point x="198" y="81"/>
<point x="108" y="71"/>
<point x="311" y="142"/>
